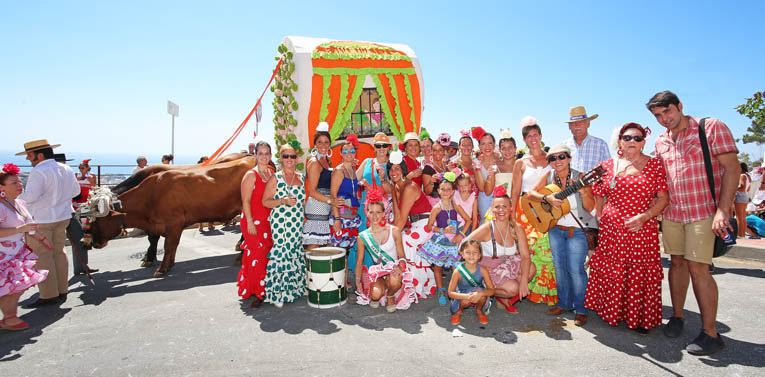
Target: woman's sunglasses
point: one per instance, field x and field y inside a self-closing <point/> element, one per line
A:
<point x="378" y="146"/>
<point x="348" y="151"/>
<point x="630" y="138"/>
<point x="560" y="157"/>
<point x="289" y="156"/>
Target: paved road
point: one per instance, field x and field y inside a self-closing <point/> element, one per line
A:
<point x="192" y="323"/>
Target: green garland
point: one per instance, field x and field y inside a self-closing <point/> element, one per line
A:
<point x="387" y="114"/>
<point x="358" y="51"/>
<point x="341" y="120"/>
<point x="284" y="88"/>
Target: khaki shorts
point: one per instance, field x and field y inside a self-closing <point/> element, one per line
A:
<point x="695" y="241"/>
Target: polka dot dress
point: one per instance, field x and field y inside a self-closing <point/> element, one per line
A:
<point x="625" y="271"/>
<point x="285" y="273"/>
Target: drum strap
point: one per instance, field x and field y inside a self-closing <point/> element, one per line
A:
<point x="374" y="249"/>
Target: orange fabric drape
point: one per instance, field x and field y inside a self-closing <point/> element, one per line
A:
<point x="386" y="91"/>
<point x="361" y="63"/>
<point x="317" y="85"/>
<point x="406" y="110"/>
<point x="334" y="101"/>
<point x="416" y="102"/>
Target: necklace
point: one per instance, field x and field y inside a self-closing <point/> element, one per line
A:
<point x="504" y="237"/>
<point x="351" y="177"/>
<point x="264" y="176"/>
<point x="289" y="186"/>
<point x="559" y="183"/>
<point x="439" y="169"/>
<point x="378" y="235"/>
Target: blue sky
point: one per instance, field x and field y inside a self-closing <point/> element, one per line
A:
<point x="96" y="76"/>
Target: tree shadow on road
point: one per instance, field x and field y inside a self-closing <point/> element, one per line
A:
<point x="656" y="348"/>
<point x="40" y="318"/>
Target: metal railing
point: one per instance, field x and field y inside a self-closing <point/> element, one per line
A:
<point x="103" y="177"/>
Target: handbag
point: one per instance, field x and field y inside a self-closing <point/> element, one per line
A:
<point x="722" y="244"/>
<point x="590" y="233"/>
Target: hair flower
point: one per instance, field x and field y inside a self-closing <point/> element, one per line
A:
<point x="11" y="169"/>
<point x="444" y="139"/>
<point x="353" y="139"/>
<point x="465" y="133"/>
<point x="396" y="157"/>
<point x="294" y="144"/>
<point x="457" y="171"/>
<point x="373" y="196"/>
<point x="401" y="147"/>
<point x="450" y="176"/>
<point x="424" y="134"/>
<point x="500" y="191"/>
<point x="477" y="132"/>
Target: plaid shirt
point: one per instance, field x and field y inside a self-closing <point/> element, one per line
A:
<point x="690" y="199"/>
<point x="590" y="154"/>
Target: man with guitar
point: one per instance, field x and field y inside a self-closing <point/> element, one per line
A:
<point x="565" y="218"/>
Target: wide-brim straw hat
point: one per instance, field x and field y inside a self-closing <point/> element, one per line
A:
<point x="36" y="145"/>
<point x="578" y="113"/>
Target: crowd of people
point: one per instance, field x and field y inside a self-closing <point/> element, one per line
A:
<point x="414" y="210"/>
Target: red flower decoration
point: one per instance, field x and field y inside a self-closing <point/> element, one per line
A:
<point x="374" y="196"/>
<point x="86" y="161"/>
<point x="11" y="169"/>
<point x="500" y="191"/>
<point x="477" y="132"/>
<point x="353" y="139"/>
<point x="401" y="147"/>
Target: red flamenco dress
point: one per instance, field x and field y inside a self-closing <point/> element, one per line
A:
<point x="255" y="247"/>
<point x="625" y="271"/>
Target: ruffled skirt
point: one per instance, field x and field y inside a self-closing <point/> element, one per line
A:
<point x="440" y="251"/>
<point x="404" y="297"/>
<point x="424" y="280"/>
<point x="17" y="269"/>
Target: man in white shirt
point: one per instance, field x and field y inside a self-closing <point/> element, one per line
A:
<point x="141" y="161"/>
<point x="586" y="150"/>
<point x="48" y="196"/>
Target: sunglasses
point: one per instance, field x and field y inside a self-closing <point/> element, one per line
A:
<point x="378" y="146"/>
<point x="560" y="157"/>
<point x="289" y="156"/>
<point x="630" y="138"/>
<point x="348" y="151"/>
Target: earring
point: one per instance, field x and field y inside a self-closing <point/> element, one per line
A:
<point x="383" y="222"/>
<point x="314" y="152"/>
<point x="2" y="194"/>
<point x="329" y="153"/>
<point x="620" y="152"/>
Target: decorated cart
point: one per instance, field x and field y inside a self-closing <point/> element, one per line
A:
<point x="358" y="87"/>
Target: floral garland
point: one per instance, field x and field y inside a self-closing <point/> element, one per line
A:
<point x="285" y="104"/>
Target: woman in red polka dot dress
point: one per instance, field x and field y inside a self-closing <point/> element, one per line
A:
<point x="255" y="228"/>
<point x="626" y="272"/>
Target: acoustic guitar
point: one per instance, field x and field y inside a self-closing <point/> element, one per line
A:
<point x="543" y="216"/>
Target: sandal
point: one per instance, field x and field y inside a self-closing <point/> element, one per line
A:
<point x="456" y="318"/>
<point x="17" y="327"/>
<point x="391" y="308"/>
<point x="441" y="296"/>
<point x="482" y="318"/>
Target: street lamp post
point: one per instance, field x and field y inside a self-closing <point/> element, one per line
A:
<point x="172" y="109"/>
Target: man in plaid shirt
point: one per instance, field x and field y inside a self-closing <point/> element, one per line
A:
<point x="692" y="219"/>
<point x="586" y="150"/>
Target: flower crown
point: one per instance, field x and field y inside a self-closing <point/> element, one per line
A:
<point x="353" y="139"/>
<point x="500" y="191"/>
<point x="11" y="169"/>
<point x="444" y="139"/>
<point x="477" y="132"/>
<point x="373" y="196"/>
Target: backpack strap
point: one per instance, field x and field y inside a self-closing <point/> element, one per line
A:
<point x="707" y="158"/>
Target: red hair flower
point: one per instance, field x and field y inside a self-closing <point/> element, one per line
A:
<point x="353" y="139"/>
<point x="401" y="147"/>
<point x="477" y="132"/>
<point x="500" y="191"/>
<point x="374" y="196"/>
<point x="11" y="169"/>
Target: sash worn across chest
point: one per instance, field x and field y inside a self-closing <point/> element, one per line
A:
<point x="374" y="248"/>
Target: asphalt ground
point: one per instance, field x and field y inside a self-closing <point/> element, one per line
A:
<point x="192" y="322"/>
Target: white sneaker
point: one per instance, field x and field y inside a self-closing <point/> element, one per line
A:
<point x="279" y="305"/>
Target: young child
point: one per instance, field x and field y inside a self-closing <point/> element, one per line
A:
<point x="465" y="198"/>
<point x="471" y="284"/>
<point x="441" y="249"/>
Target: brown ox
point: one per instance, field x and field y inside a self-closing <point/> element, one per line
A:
<point x="169" y="200"/>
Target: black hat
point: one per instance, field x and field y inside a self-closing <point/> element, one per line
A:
<point x="61" y="157"/>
